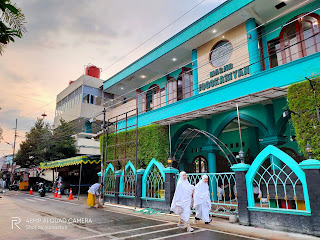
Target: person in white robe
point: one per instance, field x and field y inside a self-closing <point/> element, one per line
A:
<point x="220" y="192"/>
<point x="202" y="201"/>
<point x="182" y="199"/>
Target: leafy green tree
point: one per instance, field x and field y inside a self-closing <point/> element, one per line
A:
<point x="42" y="144"/>
<point x="63" y="144"/>
<point x="11" y="23"/>
<point x="32" y="150"/>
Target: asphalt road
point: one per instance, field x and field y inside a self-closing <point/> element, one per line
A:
<point x="47" y="218"/>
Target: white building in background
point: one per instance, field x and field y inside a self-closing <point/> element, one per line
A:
<point x="86" y="144"/>
<point x="79" y="103"/>
<point x="5" y="162"/>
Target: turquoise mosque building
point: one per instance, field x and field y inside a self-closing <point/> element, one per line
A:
<point x="241" y="55"/>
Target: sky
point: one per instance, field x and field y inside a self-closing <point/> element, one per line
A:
<point x="65" y="35"/>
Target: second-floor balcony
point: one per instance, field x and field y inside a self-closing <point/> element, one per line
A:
<point x="256" y="88"/>
<point x="280" y="54"/>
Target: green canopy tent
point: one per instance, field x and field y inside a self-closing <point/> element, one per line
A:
<point x="72" y="161"/>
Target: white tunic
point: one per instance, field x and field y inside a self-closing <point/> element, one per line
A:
<point x="94" y="189"/>
<point x="202" y="201"/>
<point x="181" y="203"/>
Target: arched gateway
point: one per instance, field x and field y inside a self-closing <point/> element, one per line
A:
<point x="191" y="134"/>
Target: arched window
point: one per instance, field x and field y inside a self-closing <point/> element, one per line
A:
<point x="180" y="88"/>
<point x="187" y="82"/>
<point x="292" y="153"/>
<point x="200" y="164"/>
<point x="300" y="38"/>
<point x="141" y="101"/>
<point x="171" y="90"/>
<point x="153" y="97"/>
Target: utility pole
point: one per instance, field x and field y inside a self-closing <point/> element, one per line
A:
<point x="14" y="148"/>
<point x="15" y="137"/>
<point x="102" y="154"/>
<point x="241" y="153"/>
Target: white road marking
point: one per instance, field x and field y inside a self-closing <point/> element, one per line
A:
<point x="41" y="199"/>
<point x="86" y="228"/>
<point x="30" y="200"/>
<point x="125" y="231"/>
<point x="147" y="233"/>
<point x="141" y="228"/>
<point x="139" y="216"/>
<point x="62" y="201"/>
<point x="180" y="234"/>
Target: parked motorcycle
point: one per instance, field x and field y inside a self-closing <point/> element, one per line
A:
<point x="14" y="187"/>
<point x="42" y="189"/>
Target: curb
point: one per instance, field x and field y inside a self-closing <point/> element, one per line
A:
<point x="218" y="224"/>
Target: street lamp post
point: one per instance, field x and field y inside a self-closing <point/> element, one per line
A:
<point x="169" y="161"/>
<point x="241" y="155"/>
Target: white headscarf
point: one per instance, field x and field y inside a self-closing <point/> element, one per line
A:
<point x="183" y="195"/>
<point x="202" y="193"/>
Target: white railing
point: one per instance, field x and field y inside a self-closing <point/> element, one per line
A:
<point x="223" y="192"/>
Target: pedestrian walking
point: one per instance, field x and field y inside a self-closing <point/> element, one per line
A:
<point x="93" y="192"/>
<point x="182" y="199"/>
<point x="220" y="191"/>
<point x="202" y="201"/>
<point x="256" y="193"/>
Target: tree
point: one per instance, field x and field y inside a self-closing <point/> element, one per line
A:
<point x="11" y="23"/>
<point x="42" y="144"/>
<point x="32" y="149"/>
<point x="63" y="144"/>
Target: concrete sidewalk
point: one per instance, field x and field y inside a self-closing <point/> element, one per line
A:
<point x="218" y="224"/>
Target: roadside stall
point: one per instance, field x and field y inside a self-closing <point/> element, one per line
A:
<point x="21" y="177"/>
<point x="78" y="173"/>
<point x="37" y="175"/>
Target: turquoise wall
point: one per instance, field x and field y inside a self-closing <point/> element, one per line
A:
<point x="281" y="21"/>
<point x="273" y="29"/>
<point x="162" y="82"/>
<point x="214" y="16"/>
<point x="231" y="139"/>
<point x="256" y="111"/>
<point x="188" y="157"/>
<point x="280" y="76"/>
<point x="250" y="135"/>
<point x="199" y="123"/>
